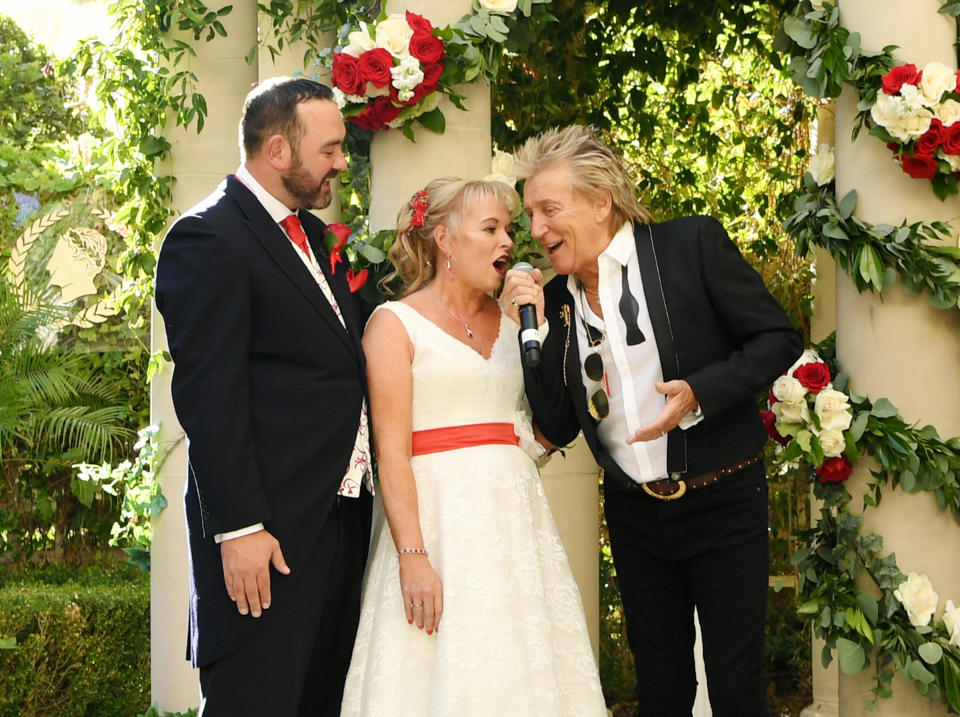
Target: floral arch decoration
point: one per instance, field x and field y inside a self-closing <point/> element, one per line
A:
<point x="817" y="421"/>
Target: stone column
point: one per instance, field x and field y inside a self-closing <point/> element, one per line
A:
<point x="199" y="162"/>
<point x="899" y="347"/>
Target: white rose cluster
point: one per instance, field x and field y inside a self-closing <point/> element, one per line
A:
<point x="908" y="113"/>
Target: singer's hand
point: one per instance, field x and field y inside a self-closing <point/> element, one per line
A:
<point x="680" y="401"/>
<point x="520" y="288"/>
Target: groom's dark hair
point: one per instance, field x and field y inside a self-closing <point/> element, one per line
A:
<point x="271" y="107"/>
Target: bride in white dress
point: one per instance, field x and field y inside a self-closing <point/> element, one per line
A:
<point x="470" y="607"/>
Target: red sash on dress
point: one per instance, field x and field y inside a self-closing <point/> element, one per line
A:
<point x="448" y="438"/>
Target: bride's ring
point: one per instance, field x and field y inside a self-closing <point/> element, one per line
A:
<point x="513" y="302"/>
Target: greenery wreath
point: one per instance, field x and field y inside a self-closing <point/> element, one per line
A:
<point x="915" y="112"/>
<point x="893" y="617"/>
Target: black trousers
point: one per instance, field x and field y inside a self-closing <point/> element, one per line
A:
<point x="709" y="550"/>
<point x="295" y="666"/>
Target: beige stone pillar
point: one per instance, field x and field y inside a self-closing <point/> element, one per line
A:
<point x="900" y="347"/>
<point x="199" y="162"/>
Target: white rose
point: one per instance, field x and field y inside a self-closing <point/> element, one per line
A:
<point x="791" y="411"/>
<point x="904" y="117"/>
<point x="393" y="34"/>
<point x="832" y="443"/>
<point x="503" y="6"/>
<point x="952" y="159"/>
<point x="937" y="78"/>
<point x="948" y="112"/>
<point x="359" y="41"/>
<point x="823" y="165"/>
<point x="817" y="5"/>
<point x="339" y="98"/>
<point x="833" y="410"/>
<point x="918" y="598"/>
<point x="789" y="389"/>
<point x="951" y="620"/>
<point x="503" y="168"/>
<point x="808" y="356"/>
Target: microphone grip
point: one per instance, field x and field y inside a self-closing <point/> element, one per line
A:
<point x="529" y="336"/>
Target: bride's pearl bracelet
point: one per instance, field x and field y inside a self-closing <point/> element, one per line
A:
<point x="413" y="551"/>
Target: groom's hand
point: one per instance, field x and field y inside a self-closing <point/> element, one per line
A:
<point x="246" y="570"/>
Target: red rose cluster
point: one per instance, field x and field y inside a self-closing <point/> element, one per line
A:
<point x="352" y="74"/>
<point x="923" y="157"/>
<point x="814" y="376"/>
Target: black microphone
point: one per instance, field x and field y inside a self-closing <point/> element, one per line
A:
<point x="529" y="336"/>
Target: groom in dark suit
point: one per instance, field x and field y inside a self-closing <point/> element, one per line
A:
<point x="269" y="385"/>
<point x="656" y="341"/>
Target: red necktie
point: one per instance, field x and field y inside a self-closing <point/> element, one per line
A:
<point x="295" y="231"/>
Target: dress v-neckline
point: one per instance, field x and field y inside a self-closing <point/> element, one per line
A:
<point x="467" y="346"/>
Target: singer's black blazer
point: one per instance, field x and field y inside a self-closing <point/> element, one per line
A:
<point x="716" y="326"/>
<point x="268" y="386"/>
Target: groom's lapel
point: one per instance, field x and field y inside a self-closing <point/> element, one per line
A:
<point x="278" y="246"/>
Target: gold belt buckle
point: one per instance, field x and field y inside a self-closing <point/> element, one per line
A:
<point x="679" y="493"/>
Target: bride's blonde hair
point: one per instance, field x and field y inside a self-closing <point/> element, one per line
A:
<point x="443" y="202"/>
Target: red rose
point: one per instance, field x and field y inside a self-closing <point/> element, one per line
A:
<point x="355" y="281"/>
<point x="772" y="399"/>
<point x="899" y="76"/>
<point x="376" y="115"/>
<point x="835" y="470"/>
<point x="431" y="75"/>
<point x="951" y="139"/>
<point x="895" y="148"/>
<point x="341" y="231"/>
<point x="931" y="139"/>
<point x="770" y="421"/>
<point x="919" y="167"/>
<point x="418" y="23"/>
<point x="346" y="74"/>
<point x="957" y="88"/>
<point x="814" y="375"/>
<point x="426" y="48"/>
<point x="375" y="66"/>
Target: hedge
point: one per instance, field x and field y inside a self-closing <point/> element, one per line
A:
<point x="82" y="644"/>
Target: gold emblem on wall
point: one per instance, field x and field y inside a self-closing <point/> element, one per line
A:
<point x="78" y="257"/>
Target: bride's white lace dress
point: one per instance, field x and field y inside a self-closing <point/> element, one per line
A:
<point x="513" y="638"/>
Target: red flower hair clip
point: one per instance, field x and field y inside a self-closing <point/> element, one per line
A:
<point x="419" y="204"/>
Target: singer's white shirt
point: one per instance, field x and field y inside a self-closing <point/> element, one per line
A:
<point x="632" y="372"/>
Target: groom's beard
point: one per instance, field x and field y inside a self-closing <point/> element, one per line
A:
<point x="309" y="193"/>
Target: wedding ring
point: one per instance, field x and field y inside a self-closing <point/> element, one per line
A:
<point x="513" y="302"/>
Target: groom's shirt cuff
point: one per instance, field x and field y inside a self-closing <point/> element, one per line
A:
<point x="239" y="533"/>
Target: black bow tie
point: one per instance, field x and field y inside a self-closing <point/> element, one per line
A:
<point x="629" y="309"/>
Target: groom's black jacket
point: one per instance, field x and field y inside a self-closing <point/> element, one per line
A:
<point x="268" y="386"/>
<point x="717" y="327"/>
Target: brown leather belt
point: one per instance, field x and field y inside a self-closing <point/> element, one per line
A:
<point x="669" y="489"/>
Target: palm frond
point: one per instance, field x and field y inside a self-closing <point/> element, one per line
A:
<point x="94" y="432"/>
